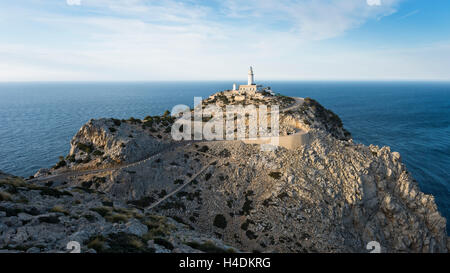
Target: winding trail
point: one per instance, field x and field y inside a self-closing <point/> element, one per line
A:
<point x="297" y="103"/>
<point x="120" y="167"/>
<point x="182" y="186"/>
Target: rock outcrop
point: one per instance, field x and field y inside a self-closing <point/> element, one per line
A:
<point x="36" y="218"/>
<point x="331" y="195"/>
<point x="115" y="140"/>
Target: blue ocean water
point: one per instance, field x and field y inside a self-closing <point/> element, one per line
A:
<point x="37" y="120"/>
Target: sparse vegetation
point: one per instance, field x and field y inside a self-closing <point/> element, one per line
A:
<point x="163" y="242"/>
<point x="203" y="149"/>
<point x="275" y="175"/>
<point x="208" y="176"/>
<point x="103" y="211"/>
<point x="134" y="120"/>
<point x="97" y="243"/>
<point x="60" y="164"/>
<point x="118" y="243"/>
<point x="251" y="235"/>
<point x="98" y="153"/>
<point x="71" y="158"/>
<point x="220" y="221"/>
<point x="208" y="247"/>
<point x="53" y="192"/>
<point x="178" y="181"/>
<point x="116" y="218"/>
<point x="87" y="148"/>
<point x="4" y="196"/>
<point x="117" y="122"/>
<point x="143" y="202"/>
<point x="116" y="215"/>
<point x="59" y="209"/>
<point x="158" y="226"/>
<point x="49" y="219"/>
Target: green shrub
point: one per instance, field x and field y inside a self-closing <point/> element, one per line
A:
<point x="177" y="205"/>
<point x="143" y="202"/>
<point x="208" y="176"/>
<point x="117" y="122"/>
<point x="126" y="243"/>
<point x="247" y="207"/>
<point x="103" y="211"/>
<point x="158" y="226"/>
<point x="275" y="175"/>
<point x="98" y="153"/>
<point x="97" y="243"/>
<point x="59" y="209"/>
<point x="52" y="192"/>
<point x="71" y="158"/>
<point x="251" y="235"/>
<point x="86" y="184"/>
<point x="87" y="148"/>
<point x="87" y="159"/>
<point x="60" y="164"/>
<point x="148" y="123"/>
<point x="49" y="219"/>
<point x="4" y="196"/>
<point x="220" y="221"/>
<point x="90" y="218"/>
<point x="134" y="120"/>
<point x="208" y="247"/>
<point x="164" y="243"/>
<point x="117" y="218"/>
<point x="178" y="181"/>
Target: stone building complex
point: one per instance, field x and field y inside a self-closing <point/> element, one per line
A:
<point x="251" y="86"/>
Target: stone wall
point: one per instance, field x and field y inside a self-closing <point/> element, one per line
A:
<point x="289" y="142"/>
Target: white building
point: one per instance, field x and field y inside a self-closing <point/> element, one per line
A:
<point x="251" y="85"/>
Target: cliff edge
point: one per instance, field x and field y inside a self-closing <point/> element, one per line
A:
<point x="328" y="195"/>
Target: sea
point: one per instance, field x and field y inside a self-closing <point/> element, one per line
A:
<point x="38" y="120"/>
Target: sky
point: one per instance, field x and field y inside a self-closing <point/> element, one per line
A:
<point x="165" y="40"/>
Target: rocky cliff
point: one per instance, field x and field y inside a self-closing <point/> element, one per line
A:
<point x="122" y="177"/>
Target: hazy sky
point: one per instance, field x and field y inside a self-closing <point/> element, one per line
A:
<point x="145" y="40"/>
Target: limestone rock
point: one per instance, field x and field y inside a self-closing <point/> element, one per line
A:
<point x="331" y="195"/>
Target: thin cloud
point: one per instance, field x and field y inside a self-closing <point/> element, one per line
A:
<point x="73" y="2"/>
<point x="160" y="40"/>
<point x="412" y="13"/>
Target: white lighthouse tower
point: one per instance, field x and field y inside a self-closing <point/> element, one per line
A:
<point x="251" y="80"/>
<point x="251" y="85"/>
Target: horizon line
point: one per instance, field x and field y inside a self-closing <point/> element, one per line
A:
<point x="228" y="80"/>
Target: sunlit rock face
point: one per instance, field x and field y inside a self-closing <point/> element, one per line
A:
<point x="329" y="195"/>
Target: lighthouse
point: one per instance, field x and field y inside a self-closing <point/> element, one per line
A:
<point x="251" y="79"/>
<point x="251" y="85"/>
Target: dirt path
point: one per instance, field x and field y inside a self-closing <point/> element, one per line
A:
<point x="182" y="186"/>
<point x="121" y="167"/>
<point x="298" y="102"/>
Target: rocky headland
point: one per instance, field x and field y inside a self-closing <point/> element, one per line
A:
<point x="127" y="186"/>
